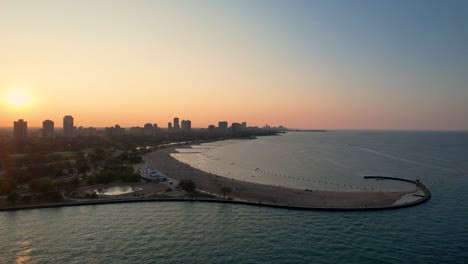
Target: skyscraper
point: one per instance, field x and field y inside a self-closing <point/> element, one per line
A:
<point x="148" y="129"/>
<point x="223" y="127"/>
<point x="186" y="126"/>
<point x="169" y="127"/>
<point x="176" y="124"/>
<point x="20" y="130"/>
<point x="48" y="128"/>
<point x="236" y="128"/>
<point x="68" y="126"/>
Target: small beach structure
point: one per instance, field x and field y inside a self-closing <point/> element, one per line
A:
<point x="150" y="174"/>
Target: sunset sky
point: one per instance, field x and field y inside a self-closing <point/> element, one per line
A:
<point x="303" y="64"/>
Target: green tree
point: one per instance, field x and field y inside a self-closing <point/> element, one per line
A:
<point x="42" y="185"/>
<point x="188" y="185"/>
<point x="225" y="191"/>
<point x="131" y="177"/>
<point x="45" y="189"/>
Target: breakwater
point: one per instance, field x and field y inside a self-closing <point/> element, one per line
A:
<point x="425" y="198"/>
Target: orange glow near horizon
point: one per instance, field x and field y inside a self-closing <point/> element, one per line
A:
<point x="104" y="108"/>
<point x="127" y="63"/>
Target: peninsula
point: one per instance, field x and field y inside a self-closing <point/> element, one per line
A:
<point x="277" y="195"/>
<point x="85" y="169"/>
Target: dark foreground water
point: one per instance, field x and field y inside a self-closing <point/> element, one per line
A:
<point x="435" y="232"/>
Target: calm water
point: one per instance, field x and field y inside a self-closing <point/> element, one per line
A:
<point x="327" y="161"/>
<point x="435" y="232"/>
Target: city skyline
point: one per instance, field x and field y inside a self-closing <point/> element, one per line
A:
<point x="317" y="65"/>
<point x="69" y="129"/>
<point x="234" y="131"/>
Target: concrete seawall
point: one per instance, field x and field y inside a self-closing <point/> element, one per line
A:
<point x="427" y="196"/>
<point x="427" y="193"/>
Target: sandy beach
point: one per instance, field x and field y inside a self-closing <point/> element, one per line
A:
<point x="259" y="193"/>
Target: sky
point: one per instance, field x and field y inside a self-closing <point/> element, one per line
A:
<point x="302" y="64"/>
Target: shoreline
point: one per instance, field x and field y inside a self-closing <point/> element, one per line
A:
<point x="278" y="195"/>
<point x="193" y="200"/>
<point x="254" y="194"/>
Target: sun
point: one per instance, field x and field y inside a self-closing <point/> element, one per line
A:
<point x="17" y="97"/>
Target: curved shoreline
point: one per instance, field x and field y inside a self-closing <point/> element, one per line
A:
<point x="427" y="193"/>
<point x="169" y="166"/>
<point x="254" y="194"/>
<point x="214" y="200"/>
<point x="427" y="196"/>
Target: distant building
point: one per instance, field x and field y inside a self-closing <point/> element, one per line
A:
<point x="223" y="127"/>
<point x="211" y="129"/>
<point x="244" y="125"/>
<point x="86" y="132"/>
<point x="48" y="129"/>
<point x="186" y="126"/>
<point x="169" y="127"/>
<point x="20" y="130"/>
<point x="92" y="131"/>
<point x="176" y="124"/>
<point x="108" y="131"/>
<point x="236" y="128"/>
<point x="223" y="124"/>
<point x="68" y="126"/>
<point x="156" y="129"/>
<point x="148" y="129"/>
<point x="136" y="131"/>
<point x="115" y="131"/>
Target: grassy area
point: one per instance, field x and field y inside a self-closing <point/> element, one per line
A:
<point x="197" y="194"/>
<point x="160" y="195"/>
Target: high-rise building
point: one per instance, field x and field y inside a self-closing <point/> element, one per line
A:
<point x="68" y="126"/>
<point x="176" y="124"/>
<point x="48" y="129"/>
<point x="186" y="126"/>
<point x="236" y="128"/>
<point x="169" y="127"/>
<point x="86" y="131"/>
<point x="211" y="129"/>
<point x="223" y="127"/>
<point x="115" y="131"/>
<point x="148" y="129"/>
<point x="137" y="131"/>
<point x="20" y="130"/>
<point x="244" y="125"/>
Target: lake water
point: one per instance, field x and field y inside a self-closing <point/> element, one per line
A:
<point x="324" y="161"/>
<point x="171" y="232"/>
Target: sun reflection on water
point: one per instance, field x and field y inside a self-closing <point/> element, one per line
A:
<point x="25" y="254"/>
